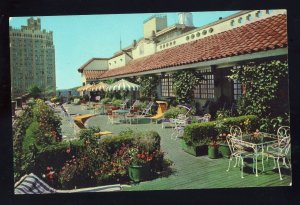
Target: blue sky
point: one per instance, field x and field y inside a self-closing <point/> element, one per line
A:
<point x="82" y="37"/>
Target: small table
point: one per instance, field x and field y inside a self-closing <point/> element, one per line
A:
<point x="121" y="112"/>
<point x="258" y="144"/>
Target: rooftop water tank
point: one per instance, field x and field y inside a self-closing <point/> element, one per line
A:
<point x="185" y="18"/>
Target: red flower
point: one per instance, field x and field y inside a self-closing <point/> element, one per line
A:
<point x="149" y="158"/>
<point x="139" y="156"/>
<point x="68" y="150"/>
<point x="143" y="156"/>
<point x="48" y="168"/>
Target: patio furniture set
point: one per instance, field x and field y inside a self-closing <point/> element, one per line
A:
<point x="257" y="145"/>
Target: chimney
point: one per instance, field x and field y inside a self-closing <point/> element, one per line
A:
<point x="185" y="18"/>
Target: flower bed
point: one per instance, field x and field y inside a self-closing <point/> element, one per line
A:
<point x="91" y="162"/>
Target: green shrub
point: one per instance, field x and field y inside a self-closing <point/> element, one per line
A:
<point x="29" y="139"/>
<point x="56" y="155"/>
<point x="142" y="105"/>
<point x="201" y="133"/>
<point x="222" y="113"/>
<point x="89" y="134"/>
<point x="173" y="112"/>
<point x="117" y="103"/>
<point x="128" y="137"/>
<point x="105" y="100"/>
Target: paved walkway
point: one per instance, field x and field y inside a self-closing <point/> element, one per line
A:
<point x="189" y="172"/>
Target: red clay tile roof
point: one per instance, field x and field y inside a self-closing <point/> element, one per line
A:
<point x="93" y="74"/>
<point x="266" y="34"/>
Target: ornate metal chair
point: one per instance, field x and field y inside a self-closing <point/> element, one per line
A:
<point x="179" y="124"/>
<point x="280" y="151"/>
<point x="235" y="131"/>
<point x="238" y="151"/>
<point x="282" y="132"/>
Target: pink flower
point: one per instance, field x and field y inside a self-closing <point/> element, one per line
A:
<point x="68" y="150"/>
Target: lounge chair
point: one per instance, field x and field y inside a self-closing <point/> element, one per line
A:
<point x="32" y="184"/>
<point x="147" y="110"/>
<point x="162" y="107"/>
<point x="134" y="107"/>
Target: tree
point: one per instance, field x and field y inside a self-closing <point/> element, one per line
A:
<point x="35" y="91"/>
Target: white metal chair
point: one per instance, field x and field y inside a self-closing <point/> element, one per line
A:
<point x="235" y="131"/>
<point x="282" y="132"/>
<point x="180" y="120"/>
<point x="280" y="152"/>
<point x="238" y="151"/>
<point x="179" y="124"/>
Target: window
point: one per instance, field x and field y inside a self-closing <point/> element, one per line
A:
<point x="258" y="14"/>
<point x="240" y="20"/>
<point x="269" y="11"/>
<point x="167" y="86"/>
<point x="206" y="88"/>
<point x="249" y="17"/>
<point x="237" y="89"/>
<point x="232" y="23"/>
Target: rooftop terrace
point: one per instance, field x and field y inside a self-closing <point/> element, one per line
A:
<point x="188" y="172"/>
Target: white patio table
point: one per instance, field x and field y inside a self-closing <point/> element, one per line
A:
<point x="258" y="143"/>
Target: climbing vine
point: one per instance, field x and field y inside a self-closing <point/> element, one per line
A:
<point x="261" y="83"/>
<point x="148" y="85"/>
<point x="184" y="85"/>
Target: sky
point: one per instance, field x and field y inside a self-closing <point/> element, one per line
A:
<point x="78" y="38"/>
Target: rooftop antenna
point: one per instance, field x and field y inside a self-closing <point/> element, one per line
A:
<point x="120" y="42"/>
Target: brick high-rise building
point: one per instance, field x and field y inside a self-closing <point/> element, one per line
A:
<point x="32" y="58"/>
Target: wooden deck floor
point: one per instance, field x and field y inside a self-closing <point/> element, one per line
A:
<point x="191" y="172"/>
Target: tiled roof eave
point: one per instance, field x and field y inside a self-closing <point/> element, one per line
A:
<point x="249" y="39"/>
<point x="237" y="58"/>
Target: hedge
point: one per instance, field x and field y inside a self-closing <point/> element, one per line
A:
<point x="55" y="155"/>
<point x="127" y="137"/>
<point x="29" y="138"/>
<point x="201" y="133"/>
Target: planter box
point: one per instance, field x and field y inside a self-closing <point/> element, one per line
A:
<point x="194" y="150"/>
<point x="224" y="150"/>
<point x="213" y="152"/>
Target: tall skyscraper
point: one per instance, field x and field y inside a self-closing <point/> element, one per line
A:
<point x="32" y="58"/>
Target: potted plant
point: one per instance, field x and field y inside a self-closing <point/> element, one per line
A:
<point x="139" y="168"/>
<point x="213" y="151"/>
<point x="224" y="150"/>
<point x="116" y="104"/>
